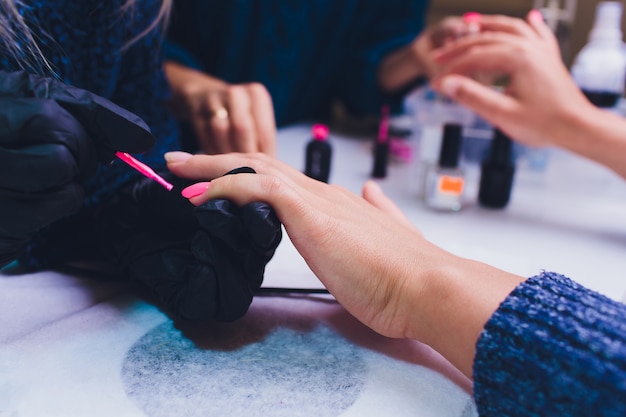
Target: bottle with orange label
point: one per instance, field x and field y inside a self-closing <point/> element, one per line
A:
<point x="445" y="182"/>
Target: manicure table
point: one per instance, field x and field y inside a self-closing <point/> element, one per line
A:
<point x="74" y="345"/>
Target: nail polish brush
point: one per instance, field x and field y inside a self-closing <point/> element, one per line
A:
<point x="144" y="169"/>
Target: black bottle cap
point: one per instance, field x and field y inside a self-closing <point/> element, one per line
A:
<point x="501" y="150"/>
<point x="450" y="146"/>
<point x="497" y="172"/>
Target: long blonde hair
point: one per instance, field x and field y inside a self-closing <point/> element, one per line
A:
<point x="18" y="42"/>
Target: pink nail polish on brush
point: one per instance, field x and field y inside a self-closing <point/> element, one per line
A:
<point x="144" y="169"/>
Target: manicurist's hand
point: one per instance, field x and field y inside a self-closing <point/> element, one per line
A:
<point x="540" y="98"/>
<point x="417" y="59"/>
<point x="52" y="137"/>
<point x="225" y="117"/>
<point x="364" y="250"/>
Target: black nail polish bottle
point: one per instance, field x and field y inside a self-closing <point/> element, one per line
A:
<point x="497" y="172"/>
<point x="381" y="147"/>
<point x="318" y="154"/>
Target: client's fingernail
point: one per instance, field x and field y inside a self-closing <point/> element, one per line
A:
<point x="177" y="156"/>
<point x="195" y="189"/>
<point x="449" y="86"/>
<point x="471" y="17"/>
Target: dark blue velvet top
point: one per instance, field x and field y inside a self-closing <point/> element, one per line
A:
<point x="305" y="52"/>
<point x="84" y="41"/>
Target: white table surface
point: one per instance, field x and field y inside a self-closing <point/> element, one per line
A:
<point x="74" y="346"/>
<point x="569" y="219"/>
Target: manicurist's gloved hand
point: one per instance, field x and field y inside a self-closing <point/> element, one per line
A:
<point x="52" y="137"/>
<point x="200" y="262"/>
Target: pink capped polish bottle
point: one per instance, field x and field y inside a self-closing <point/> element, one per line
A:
<point x="381" y="147"/>
<point x="318" y="154"/>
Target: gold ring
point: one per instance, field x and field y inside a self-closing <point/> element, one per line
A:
<point x="220" y="113"/>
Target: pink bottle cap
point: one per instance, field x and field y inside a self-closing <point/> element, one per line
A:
<point x="320" y="132"/>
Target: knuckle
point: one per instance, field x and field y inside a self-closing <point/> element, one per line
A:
<point x="233" y="91"/>
<point x="259" y="161"/>
<point x="274" y="186"/>
<point x="258" y="89"/>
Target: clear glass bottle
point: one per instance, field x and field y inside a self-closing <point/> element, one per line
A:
<point x="445" y="181"/>
<point x="600" y="67"/>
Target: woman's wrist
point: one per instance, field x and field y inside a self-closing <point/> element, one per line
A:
<point x="572" y="126"/>
<point x="402" y="67"/>
<point x="456" y="300"/>
<point x="594" y="133"/>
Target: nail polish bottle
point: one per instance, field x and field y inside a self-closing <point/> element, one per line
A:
<point x="497" y="172"/>
<point x="599" y="69"/>
<point x="381" y="147"/>
<point x="445" y="181"/>
<point x="318" y="154"/>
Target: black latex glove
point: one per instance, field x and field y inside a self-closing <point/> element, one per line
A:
<point x="52" y="136"/>
<point x="199" y="262"/>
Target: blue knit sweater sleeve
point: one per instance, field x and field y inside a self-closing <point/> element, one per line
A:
<point x="553" y="348"/>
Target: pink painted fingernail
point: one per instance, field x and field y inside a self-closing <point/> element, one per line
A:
<point x="471" y="17"/>
<point x="195" y="189"/>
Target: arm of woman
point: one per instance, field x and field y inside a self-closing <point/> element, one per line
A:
<point x="542" y="346"/>
<point x="541" y="105"/>
<point x="416" y="59"/>
<point x="399" y="284"/>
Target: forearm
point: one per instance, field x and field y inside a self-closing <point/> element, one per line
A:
<point x="400" y="68"/>
<point x="595" y="134"/>
<point x="458" y="299"/>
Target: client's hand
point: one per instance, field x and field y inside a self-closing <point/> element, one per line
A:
<point x="52" y="136"/>
<point x="366" y="252"/>
<point x="363" y="249"/>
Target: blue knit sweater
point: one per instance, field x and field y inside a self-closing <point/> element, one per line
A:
<point x="553" y="348"/>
